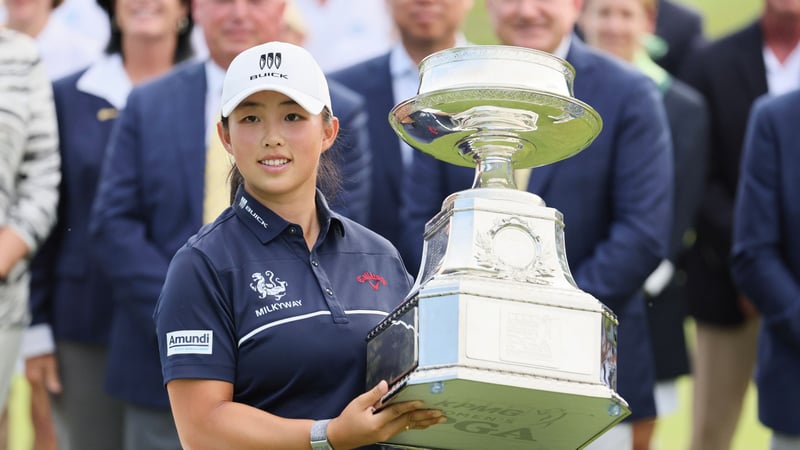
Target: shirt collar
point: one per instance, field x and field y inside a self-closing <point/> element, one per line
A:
<point x="328" y="218"/>
<point x="563" y="47"/>
<point x="215" y="75"/>
<point x="107" y="79"/>
<point x="267" y="225"/>
<point x="401" y="64"/>
<point x="782" y="77"/>
<point x="657" y="73"/>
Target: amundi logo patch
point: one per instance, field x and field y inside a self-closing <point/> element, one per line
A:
<point x="186" y="342"/>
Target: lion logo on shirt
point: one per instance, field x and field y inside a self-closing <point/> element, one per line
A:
<point x="267" y="284"/>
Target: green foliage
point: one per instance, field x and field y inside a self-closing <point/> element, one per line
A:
<point x="478" y="27"/>
<point x="724" y="16"/>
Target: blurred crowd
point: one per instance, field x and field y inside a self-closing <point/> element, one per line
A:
<point x="683" y="207"/>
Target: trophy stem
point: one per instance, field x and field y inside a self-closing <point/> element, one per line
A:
<point x="493" y="168"/>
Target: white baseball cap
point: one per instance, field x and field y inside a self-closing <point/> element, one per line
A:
<point x="276" y="66"/>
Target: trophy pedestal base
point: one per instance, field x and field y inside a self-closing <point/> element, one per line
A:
<point x="493" y="410"/>
<point x="509" y="372"/>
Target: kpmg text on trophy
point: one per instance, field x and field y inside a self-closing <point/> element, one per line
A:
<point x="495" y="332"/>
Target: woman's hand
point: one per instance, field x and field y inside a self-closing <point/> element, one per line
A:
<point x="360" y="425"/>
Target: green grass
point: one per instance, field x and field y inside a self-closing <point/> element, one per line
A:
<point x="20" y="432"/>
<point x="724" y="16"/>
<point x="673" y="431"/>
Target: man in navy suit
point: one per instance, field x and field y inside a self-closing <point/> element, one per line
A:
<point x="616" y="195"/>
<point x="150" y="195"/>
<point x="731" y="72"/>
<point x="425" y="27"/>
<point x="766" y="257"/>
<point x="621" y="28"/>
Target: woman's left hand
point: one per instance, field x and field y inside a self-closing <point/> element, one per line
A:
<point x="360" y="425"/>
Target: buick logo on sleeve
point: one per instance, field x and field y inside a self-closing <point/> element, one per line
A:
<point x="270" y="60"/>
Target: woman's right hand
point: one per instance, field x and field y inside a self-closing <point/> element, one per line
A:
<point x="360" y="425"/>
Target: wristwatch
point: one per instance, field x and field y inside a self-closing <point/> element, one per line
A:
<point x="319" y="435"/>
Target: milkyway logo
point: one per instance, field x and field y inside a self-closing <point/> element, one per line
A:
<point x="270" y="60"/>
<point x="374" y="280"/>
<point x="268" y="285"/>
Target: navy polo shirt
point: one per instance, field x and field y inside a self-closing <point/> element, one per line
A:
<point x="246" y="302"/>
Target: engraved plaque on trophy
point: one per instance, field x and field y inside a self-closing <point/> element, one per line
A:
<point x="495" y="331"/>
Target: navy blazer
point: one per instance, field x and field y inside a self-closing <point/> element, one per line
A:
<point x="682" y="29"/>
<point x="150" y="201"/>
<point x="373" y="80"/>
<point x="687" y="116"/>
<point x="730" y="74"/>
<point x="766" y="253"/>
<point x="616" y="198"/>
<point x="67" y="290"/>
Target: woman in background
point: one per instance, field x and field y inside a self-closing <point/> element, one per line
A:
<point x="29" y="177"/>
<point x="66" y="345"/>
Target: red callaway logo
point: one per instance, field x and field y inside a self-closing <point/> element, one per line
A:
<point x="372" y="279"/>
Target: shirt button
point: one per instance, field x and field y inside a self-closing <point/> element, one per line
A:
<point x="292" y="230"/>
<point x="329" y="291"/>
<point x="314" y="263"/>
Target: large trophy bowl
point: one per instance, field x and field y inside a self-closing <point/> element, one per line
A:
<point x="495" y="331"/>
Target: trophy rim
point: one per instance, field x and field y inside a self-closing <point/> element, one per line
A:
<point x="514" y="94"/>
<point x="499" y="52"/>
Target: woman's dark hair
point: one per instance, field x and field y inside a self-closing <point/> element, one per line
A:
<point x="328" y="176"/>
<point x="183" y="49"/>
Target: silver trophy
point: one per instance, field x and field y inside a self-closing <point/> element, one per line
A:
<point x="495" y="331"/>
